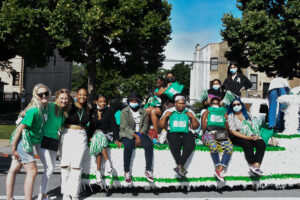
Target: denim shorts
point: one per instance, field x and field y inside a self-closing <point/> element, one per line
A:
<point x="25" y="156"/>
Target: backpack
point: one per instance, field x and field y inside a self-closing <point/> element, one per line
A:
<point x="179" y="122"/>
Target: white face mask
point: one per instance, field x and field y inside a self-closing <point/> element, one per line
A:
<point x="237" y="108"/>
<point x="216" y="87"/>
<point x="133" y="105"/>
<point x="215" y="106"/>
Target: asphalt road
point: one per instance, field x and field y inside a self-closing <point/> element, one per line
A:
<point x="203" y="193"/>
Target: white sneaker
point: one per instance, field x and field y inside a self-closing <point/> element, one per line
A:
<point x="98" y="177"/>
<point x="108" y="167"/>
<point x="163" y="136"/>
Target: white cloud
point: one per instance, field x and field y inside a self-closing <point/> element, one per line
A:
<point x="182" y="45"/>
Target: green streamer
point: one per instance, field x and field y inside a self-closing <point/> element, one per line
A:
<point x="282" y="136"/>
<point x="199" y="179"/>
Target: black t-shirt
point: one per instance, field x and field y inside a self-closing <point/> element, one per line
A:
<point x="236" y="85"/>
<point x="77" y="116"/>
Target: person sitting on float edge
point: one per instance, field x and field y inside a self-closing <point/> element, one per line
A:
<point x="181" y="120"/>
<point x="133" y="132"/>
<point x="236" y="115"/>
<point x="214" y="91"/>
<point x="214" y="125"/>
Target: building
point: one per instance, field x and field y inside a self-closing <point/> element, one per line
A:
<point x="22" y="78"/>
<point x="210" y="63"/>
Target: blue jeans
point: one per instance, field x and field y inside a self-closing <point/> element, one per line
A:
<point x="276" y="121"/>
<point x="129" y="145"/>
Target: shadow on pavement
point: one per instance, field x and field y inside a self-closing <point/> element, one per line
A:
<point x="4" y="164"/>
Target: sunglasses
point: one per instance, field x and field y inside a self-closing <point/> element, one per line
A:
<point x="238" y="104"/>
<point x="42" y="94"/>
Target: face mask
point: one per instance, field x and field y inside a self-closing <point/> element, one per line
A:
<point x="133" y="105"/>
<point x="215" y="106"/>
<point x="170" y="80"/>
<point x="233" y="71"/>
<point x="216" y="87"/>
<point x="101" y="109"/>
<point x="237" y="108"/>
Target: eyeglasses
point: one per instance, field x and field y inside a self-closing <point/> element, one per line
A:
<point x="237" y="104"/>
<point x="42" y="94"/>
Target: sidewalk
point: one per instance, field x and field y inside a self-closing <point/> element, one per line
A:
<point x="5" y="149"/>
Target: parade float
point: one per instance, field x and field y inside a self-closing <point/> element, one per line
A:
<point x="280" y="164"/>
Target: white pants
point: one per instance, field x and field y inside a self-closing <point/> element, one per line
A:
<point x="48" y="158"/>
<point x="74" y="145"/>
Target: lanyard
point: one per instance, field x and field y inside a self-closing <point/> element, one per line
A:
<point x="80" y="115"/>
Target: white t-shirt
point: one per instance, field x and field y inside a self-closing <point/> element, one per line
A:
<point x="174" y="109"/>
<point x="137" y="118"/>
<point x="278" y="82"/>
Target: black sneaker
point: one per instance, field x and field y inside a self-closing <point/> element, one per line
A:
<point x="179" y="171"/>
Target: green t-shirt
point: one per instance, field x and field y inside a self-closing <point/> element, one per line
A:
<point x="53" y="122"/>
<point x="34" y="120"/>
<point x="118" y="117"/>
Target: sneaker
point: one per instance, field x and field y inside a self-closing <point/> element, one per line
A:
<point x="218" y="175"/>
<point x="256" y="171"/>
<point x="163" y="136"/>
<point x="223" y="174"/>
<point x="127" y="178"/>
<point x="179" y="171"/>
<point x="108" y="167"/>
<point x="98" y="178"/>
<point x="149" y="176"/>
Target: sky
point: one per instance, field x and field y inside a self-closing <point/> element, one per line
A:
<point x="195" y="22"/>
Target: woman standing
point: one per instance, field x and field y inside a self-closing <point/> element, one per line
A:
<point x="74" y="144"/>
<point x="236" y="81"/>
<point x="237" y="114"/>
<point x="27" y="135"/>
<point x="133" y="132"/>
<point x="102" y="124"/>
<point x="51" y="136"/>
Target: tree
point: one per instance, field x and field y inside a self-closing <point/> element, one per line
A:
<point x="182" y="73"/>
<point x="128" y="35"/>
<point x="266" y="37"/>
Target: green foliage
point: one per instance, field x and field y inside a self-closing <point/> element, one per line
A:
<point x="79" y="76"/>
<point x="182" y="73"/>
<point x="266" y="37"/>
<point x="6" y="130"/>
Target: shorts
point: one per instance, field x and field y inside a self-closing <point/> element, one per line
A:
<point x="74" y="145"/>
<point x="25" y="156"/>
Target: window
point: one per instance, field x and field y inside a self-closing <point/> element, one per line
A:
<point x="214" y="64"/>
<point x="16" y="79"/>
<point x="253" y="79"/>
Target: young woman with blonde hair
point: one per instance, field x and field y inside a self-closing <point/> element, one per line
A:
<point x="27" y="135"/>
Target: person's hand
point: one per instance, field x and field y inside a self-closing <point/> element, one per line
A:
<point x="168" y="114"/>
<point x="16" y="155"/>
<point x="138" y="141"/>
<point x="169" y="84"/>
<point x="189" y="114"/>
<point x="118" y="143"/>
<point x="255" y="137"/>
<point x="22" y="114"/>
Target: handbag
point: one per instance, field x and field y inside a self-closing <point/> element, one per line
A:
<point x="52" y="143"/>
<point x="220" y="135"/>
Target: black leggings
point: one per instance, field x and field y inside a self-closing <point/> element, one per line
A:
<point x="176" y="140"/>
<point x="248" y="146"/>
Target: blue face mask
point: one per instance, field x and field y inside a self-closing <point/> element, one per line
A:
<point x="233" y="71"/>
<point x="237" y="108"/>
<point x="216" y="87"/>
<point x="133" y="105"/>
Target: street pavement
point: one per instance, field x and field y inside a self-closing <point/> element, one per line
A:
<point x="199" y="193"/>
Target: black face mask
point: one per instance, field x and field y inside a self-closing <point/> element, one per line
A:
<point x="170" y="80"/>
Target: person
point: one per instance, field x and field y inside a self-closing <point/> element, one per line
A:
<point x="181" y="120"/>
<point x="214" y="121"/>
<point x="166" y="102"/>
<point x="237" y="116"/>
<point x="74" y="144"/>
<point x="278" y="86"/>
<point x="102" y="123"/>
<point x="236" y="81"/>
<point x="214" y="91"/>
<point x="51" y="137"/>
<point x="28" y="135"/>
<point x="155" y="112"/>
<point x="133" y="132"/>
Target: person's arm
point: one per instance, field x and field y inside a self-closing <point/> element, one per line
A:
<point x="241" y="135"/>
<point x="204" y="121"/>
<point x="164" y="119"/>
<point x="246" y="83"/>
<point x="195" y="124"/>
<point x="226" y="123"/>
<point x="160" y="91"/>
<point x="144" y="127"/>
<point x="16" y="140"/>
